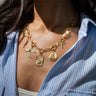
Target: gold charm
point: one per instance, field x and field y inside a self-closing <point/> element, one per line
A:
<point x="62" y="44"/>
<point x="39" y="60"/>
<point x="26" y="42"/>
<point x="53" y="56"/>
<point x="30" y="51"/>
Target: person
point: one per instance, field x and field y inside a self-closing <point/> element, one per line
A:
<point x="48" y="48"/>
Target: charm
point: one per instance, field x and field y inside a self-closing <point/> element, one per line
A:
<point x="53" y="56"/>
<point x="30" y="51"/>
<point x="62" y="45"/>
<point x="26" y="42"/>
<point x="39" y="60"/>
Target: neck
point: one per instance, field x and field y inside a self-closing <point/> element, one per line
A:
<point x="54" y="13"/>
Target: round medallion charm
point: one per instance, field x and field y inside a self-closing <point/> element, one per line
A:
<point x="53" y="56"/>
<point x="39" y="60"/>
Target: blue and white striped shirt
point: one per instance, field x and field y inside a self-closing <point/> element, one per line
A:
<point x="74" y="74"/>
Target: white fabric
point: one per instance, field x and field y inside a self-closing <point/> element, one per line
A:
<point x="23" y="92"/>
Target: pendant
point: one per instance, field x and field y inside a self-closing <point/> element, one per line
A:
<point x="53" y="56"/>
<point x="30" y="51"/>
<point x="62" y="45"/>
<point x="39" y="60"/>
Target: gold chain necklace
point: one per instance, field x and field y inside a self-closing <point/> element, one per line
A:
<point x="52" y="55"/>
<point x="52" y="49"/>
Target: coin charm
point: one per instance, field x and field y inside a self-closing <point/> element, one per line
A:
<point x="53" y="56"/>
<point x="39" y="60"/>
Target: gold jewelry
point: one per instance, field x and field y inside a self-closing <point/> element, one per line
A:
<point x="52" y="55"/>
<point x="52" y="49"/>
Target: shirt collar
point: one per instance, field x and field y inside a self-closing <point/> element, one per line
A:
<point x="85" y="20"/>
<point x="12" y="35"/>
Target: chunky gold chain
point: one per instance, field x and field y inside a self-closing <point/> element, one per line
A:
<point x="52" y="49"/>
<point x="52" y="56"/>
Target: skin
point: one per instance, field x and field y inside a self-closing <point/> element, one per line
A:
<point x="50" y="18"/>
